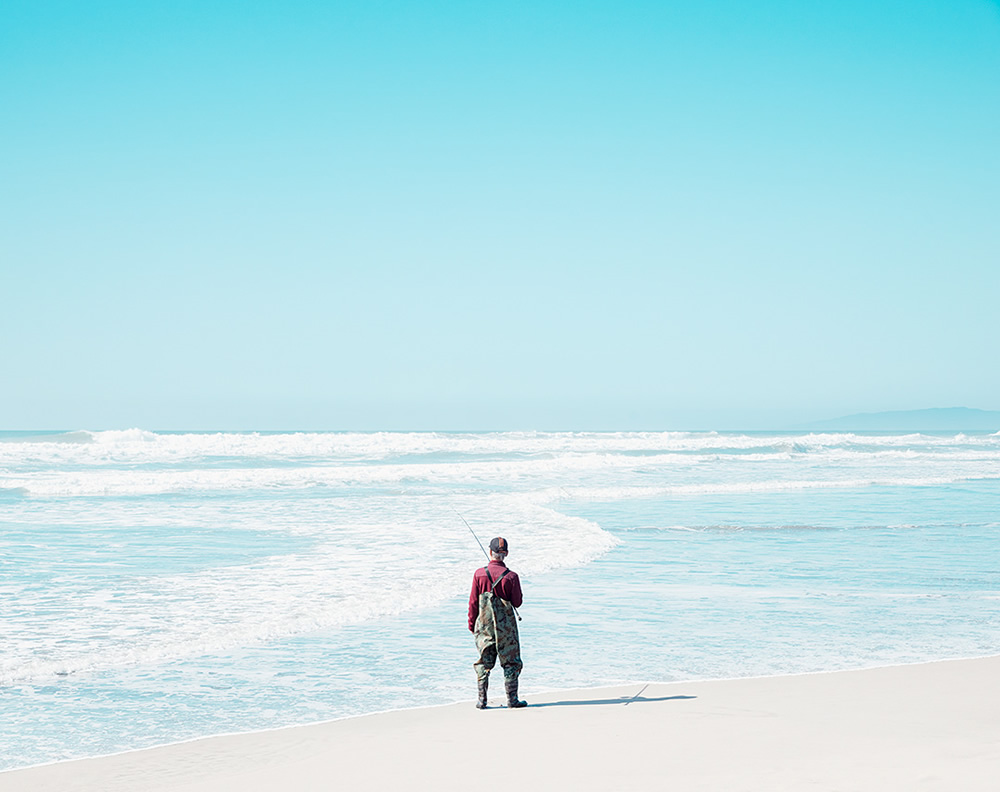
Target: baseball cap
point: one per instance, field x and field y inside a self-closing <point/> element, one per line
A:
<point x="499" y="545"/>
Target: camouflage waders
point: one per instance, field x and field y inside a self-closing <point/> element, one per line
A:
<point x="496" y="635"/>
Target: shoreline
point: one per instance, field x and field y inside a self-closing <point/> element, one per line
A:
<point x="441" y="743"/>
<point x="547" y="693"/>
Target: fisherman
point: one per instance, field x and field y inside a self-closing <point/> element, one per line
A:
<point x="496" y="591"/>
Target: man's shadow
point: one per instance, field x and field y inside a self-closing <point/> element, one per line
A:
<point x="624" y="700"/>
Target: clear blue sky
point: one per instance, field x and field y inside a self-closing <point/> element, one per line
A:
<point x="496" y="215"/>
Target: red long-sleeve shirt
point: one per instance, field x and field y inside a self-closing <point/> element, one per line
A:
<point x="509" y="588"/>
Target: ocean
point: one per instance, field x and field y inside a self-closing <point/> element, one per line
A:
<point x="158" y="587"/>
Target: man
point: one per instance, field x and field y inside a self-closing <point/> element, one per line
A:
<point x="496" y="591"/>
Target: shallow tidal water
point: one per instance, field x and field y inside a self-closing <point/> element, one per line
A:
<point x="160" y="587"/>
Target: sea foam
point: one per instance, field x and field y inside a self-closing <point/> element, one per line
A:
<point x="140" y="571"/>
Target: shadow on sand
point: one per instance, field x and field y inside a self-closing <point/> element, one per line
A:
<point x="624" y="700"/>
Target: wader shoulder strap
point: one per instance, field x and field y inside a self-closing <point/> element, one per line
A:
<point x="493" y="585"/>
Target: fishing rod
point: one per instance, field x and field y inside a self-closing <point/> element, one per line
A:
<point x="473" y="534"/>
<point x="488" y="559"/>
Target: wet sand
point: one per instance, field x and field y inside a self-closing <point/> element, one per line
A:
<point x="933" y="726"/>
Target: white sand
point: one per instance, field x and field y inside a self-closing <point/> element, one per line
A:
<point x="923" y="727"/>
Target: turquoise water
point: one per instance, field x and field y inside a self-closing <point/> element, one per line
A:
<point x="160" y="587"/>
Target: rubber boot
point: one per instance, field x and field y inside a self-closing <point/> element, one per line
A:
<point x="510" y="685"/>
<point x="484" y="684"/>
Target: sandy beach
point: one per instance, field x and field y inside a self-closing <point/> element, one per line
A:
<point x="932" y="726"/>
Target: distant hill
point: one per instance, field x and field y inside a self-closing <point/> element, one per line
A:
<point x="934" y="419"/>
